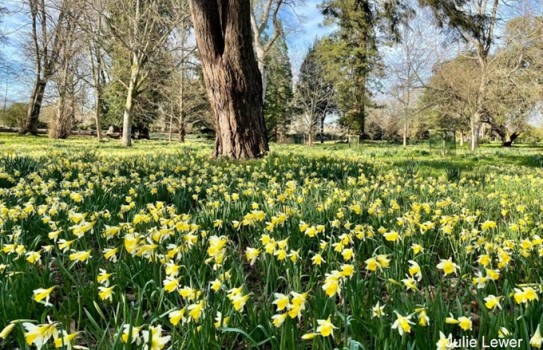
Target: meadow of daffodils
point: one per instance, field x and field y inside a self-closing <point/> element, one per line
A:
<point x="159" y="247"/>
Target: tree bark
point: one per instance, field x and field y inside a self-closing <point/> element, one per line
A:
<point x="97" y="114"/>
<point x="322" y="129"/>
<point x="182" y="132"/>
<point x="34" y="107"/>
<point x="510" y="140"/>
<point x="127" y="115"/>
<point x="475" y="130"/>
<point x="232" y="77"/>
<point x="405" y="133"/>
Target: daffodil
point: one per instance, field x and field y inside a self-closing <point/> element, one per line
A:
<point x="536" y="341"/>
<point x="402" y="323"/>
<point x="325" y="327"/>
<point x="105" y="293"/>
<point x="42" y="295"/>
<point x="7" y="330"/>
<point x="447" y="266"/>
<point x="378" y="311"/>
<point x="81" y="256"/>
<point x="445" y="342"/>
<point x="176" y="316"/>
<point x="39" y="334"/>
<point x="281" y="301"/>
<point x="492" y="302"/>
<point x="153" y="339"/>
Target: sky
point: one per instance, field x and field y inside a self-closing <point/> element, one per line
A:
<point x="299" y="38"/>
<point x="312" y="28"/>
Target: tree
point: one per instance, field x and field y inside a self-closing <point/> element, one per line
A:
<point x="15" y="115"/>
<point x="452" y="92"/>
<point x="514" y="91"/>
<point x="65" y="79"/>
<point x="267" y="28"/>
<point x="277" y="105"/>
<point x="314" y="93"/>
<point x="232" y="77"/>
<point x="47" y="41"/>
<point x="141" y="27"/>
<point x="474" y="22"/>
<point x="148" y="100"/>
<point x="96" y="38"/>
<point x="352" y="54"/>
<point x="409" y="63"/>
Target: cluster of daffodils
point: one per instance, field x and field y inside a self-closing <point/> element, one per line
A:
<point x="288" y="306"/>
<point x="170" y="250"/>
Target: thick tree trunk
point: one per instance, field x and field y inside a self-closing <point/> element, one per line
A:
<point x="34" y="107"/>
<point x="510" y="140"/>
<point x="461" y="138"/>
<point x="232" y="77"/>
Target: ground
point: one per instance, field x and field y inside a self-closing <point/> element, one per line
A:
<point x="364" y="247"/>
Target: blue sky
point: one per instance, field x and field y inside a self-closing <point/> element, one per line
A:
<point x="311" y="28"/>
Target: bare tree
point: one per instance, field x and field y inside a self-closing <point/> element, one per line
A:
<point x="141" y="27"/>
<point x="96" y="37"/>
<point x="232" y="77"/>
<point x="265" y="15"/>
<point x="411" y="62"/>
<point x="65" y="78"/>
<point x="47" y="24"/>
<point x="475" y="23"/>
<point x="314" y="93"/>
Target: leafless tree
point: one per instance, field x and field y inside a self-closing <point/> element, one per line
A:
<point x="141" y="27"/>
<point x="47" y="24"/>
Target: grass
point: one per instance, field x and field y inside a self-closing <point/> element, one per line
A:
<point x="202" y="253"/>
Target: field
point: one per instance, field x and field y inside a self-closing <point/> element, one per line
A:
<point x="366" y="247"/>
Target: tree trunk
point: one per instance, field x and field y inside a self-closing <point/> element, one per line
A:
<point x="98" y="92"/>
<point x="461" y="138"/>
<point x="182" y="120"/>
<point x="232" y="77"/>
<point x="261" y="59"/>
<point x="34" y="107"/>
<point x="182" y="132"/>
<point x="405" y="133"/>
<point x="127" y="115"/>
<point x="322" y="130"/>
<point x="97" y="114"/>
<point x="170" y="131"/>
<point x="56" y="127"/>
<point x="511" y="139"/>
<point x="475" y="130"/>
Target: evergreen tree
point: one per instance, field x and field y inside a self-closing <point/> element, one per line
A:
<point x="314" y="94"/>
<point x="351" y="53"/>
<point x="147" y="99"/>
<point x="277" y="105"/>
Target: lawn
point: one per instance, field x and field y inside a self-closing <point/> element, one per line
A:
<point x="365" y="247"/>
